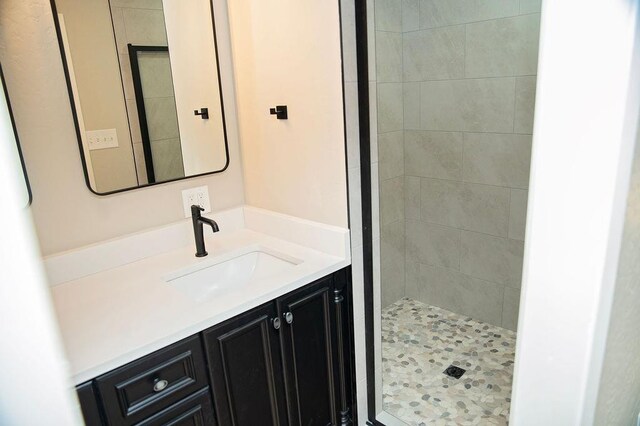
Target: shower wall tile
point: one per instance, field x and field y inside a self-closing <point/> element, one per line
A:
<point x="412" y="197"/>
<point x="411" y="279"/>
<point x="510" y="308"/>
<point x="127" y="76"/>
<point x="518" y="214"/>
<point x="411" y="98"/>
<point x="495" y="259"/>
<point x="467" y="206"/>
<point x="440" y="13"/>
<point x="460" y="293"/>
<point x="432" y="244"/>
<point x="388" y="56"/>
<point x="167" y="159"/>
<point x="497" y="159"/>
<point x="391" y="200"/>
<point x="433" y="154"/>
<point x="162" y="118"/>
<point x="119" y="30"/>
<point x="525" y="104"/>
<point x="477" y="105"/>
<point x="503" y="47"/>
<point x="134" y="122"/>
<point x="390" y="107"/>
<point x="435" y="54"/>
<point x="388" y="15"/>
<point x="155" y="72"/>
<point x="410" y="15"/>
<point x="145" y="27"/>
<point x="392" y="262"/>
<point x="390" y="155"/>
<point x="139" y="4"/>
<point x="530" y="6"/>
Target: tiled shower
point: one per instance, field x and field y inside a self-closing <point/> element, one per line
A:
<point x="455" y="100"/>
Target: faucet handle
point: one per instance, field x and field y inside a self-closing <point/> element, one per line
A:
<point x="196" y="209"/>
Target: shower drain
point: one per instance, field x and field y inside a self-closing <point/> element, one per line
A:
<point x="455" y="372"/>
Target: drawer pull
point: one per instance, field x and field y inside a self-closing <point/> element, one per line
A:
<point x="288" y="317"/>
<point x="160" y="385"/>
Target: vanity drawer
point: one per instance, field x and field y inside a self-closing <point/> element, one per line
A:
<point x="195" y="410"/>
<point x="144" y="387"/>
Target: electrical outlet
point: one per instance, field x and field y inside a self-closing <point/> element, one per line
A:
<point x="102" y="139"/>
<point x="199" y="196"/>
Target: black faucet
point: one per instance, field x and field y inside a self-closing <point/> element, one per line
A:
<point x="198" y="224"/>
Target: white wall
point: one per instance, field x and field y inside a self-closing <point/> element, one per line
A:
<point x="584" y="135"/>
<point x="288" y="53"/>
<point x="65" y="213"/>
<point x="193" y="65"/>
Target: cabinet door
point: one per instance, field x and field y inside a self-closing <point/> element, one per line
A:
<point x="246" y="369"/>
<point x="310" y="354"/>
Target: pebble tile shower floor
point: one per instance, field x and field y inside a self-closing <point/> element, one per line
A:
<point x="419" y="342"/>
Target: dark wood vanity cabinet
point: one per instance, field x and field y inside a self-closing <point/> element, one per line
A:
<point x="287" y="362"/>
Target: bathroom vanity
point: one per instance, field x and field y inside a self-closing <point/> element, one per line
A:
<point x="257" y="332"/>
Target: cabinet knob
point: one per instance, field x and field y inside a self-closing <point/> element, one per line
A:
<point x="160" y="385"/>
<point x="276" y="323"/>
<point x="288" y="317"/>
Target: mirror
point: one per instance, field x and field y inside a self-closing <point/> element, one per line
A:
<point x="9" y="132"/>
<point x="145" y="89"/>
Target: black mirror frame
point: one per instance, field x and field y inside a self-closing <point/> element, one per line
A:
<point x="76" y="123"/>
<point x="15" y="132"/>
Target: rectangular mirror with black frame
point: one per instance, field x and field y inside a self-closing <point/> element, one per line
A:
<point x="8" y="131"/>
<point x="144" y="85"/>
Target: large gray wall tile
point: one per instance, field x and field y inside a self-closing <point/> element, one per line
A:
<point x="390" y="155"/>
<point x="503" y="47"/>
<point x="497" y="159"/>
<point x="510" y="308"/>
<point x="460" y="293"/>
<point x="525" y="104"/>
<point x="492" y="258"/>
<point x="162" y="118"/>
<point x="155" y="74"/>
<point x="410" y="15"/>
<point x="412" y="197"/>
<point x="145" y="27"/>
<point x="388" y="15"/>
<point x="411" y="279"/>
<point x="390" y="107"/>
<point x="530" y="6"/>
<point x="433" y="154"/>
<point x="392" y="262"/>
<point x="518" y="214"/>
<point x="438" y="13"/>
<point x="476" y="105"/>
<point x="434" y="54"/>
<point x="411" y="99"/>
<point x="432" y="244"/>
<point x="391" y="200"/>
<point x="481" y="208"/>
<point x="388" y="56"/>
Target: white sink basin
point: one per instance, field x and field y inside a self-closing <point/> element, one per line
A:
<point x="208" y="281"/>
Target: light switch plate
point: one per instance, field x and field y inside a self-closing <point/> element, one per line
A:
<point x="199" y="196"/>
<point x="102" y="139"/>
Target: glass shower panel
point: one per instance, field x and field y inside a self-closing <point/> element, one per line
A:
<point x="455" y="93"/>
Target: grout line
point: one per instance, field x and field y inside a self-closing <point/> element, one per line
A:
<point x="473" y="22"/>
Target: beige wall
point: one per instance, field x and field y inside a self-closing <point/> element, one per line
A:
<point x="288" y="52"/>
<point x="66" y="214"/>
<point x="90" y="34"/>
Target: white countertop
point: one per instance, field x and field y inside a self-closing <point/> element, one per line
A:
<point x="115" y="316"/>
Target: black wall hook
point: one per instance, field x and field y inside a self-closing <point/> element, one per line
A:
<point x="280" y="111"/>
<point x="204" y="113"/>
